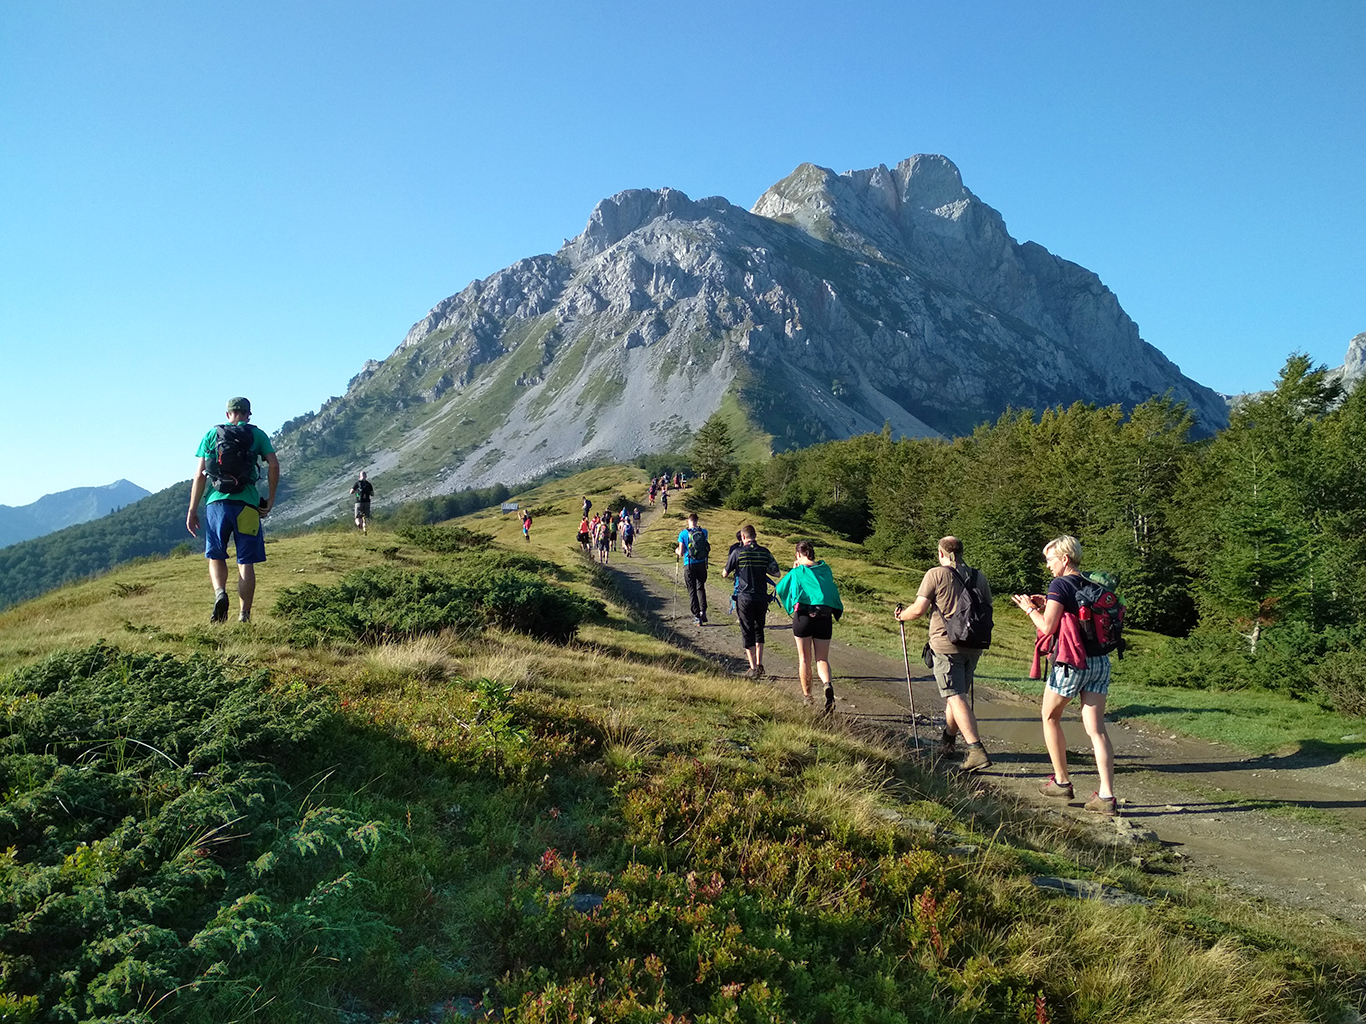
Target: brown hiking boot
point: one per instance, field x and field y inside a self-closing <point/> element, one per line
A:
<point x="977" y="759"/>
<point x="948" y="744"/>
<point x="1051" y="787"/>
<point x="1106" y="805"/>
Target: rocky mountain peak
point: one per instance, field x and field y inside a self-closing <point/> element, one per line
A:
<point x="838" y="304"/>
<point x="618" y="216"/>
<point x="1353" y="368"/>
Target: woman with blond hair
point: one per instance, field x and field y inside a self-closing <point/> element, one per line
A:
<point x="1057" y="615"/>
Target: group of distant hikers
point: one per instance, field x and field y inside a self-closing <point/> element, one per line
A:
<point x="1078" y="621"/>
<point x="600" y="533"/>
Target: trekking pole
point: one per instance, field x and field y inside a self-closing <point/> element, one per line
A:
<point x="674" y="614"/>
<point x="915" y="729"/>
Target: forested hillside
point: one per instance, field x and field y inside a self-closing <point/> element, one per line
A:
<point x="1249" y="546"/>
<point x="152" y="526"/>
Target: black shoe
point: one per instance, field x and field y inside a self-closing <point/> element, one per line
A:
<point x="829" y="698"/>
<point x="220" y="608"/>
<point x="702" y="621"/>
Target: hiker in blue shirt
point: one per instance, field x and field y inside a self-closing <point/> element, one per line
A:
<point x="694" y="549"/>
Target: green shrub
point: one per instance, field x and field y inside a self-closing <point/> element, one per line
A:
<point x="445" y="539"/>
<point x="381" y="604"/>
<point x="1341" y="679"/>
<point x="378" y="605"/>
<point x="158" y="854"/>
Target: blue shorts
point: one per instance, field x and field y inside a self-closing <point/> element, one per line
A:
<point x="242" y="522"/>
<point x="1066" y="681"/>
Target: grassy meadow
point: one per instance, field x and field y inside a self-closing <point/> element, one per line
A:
<point x="234" y="823"/>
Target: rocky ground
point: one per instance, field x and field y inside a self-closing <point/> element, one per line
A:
<point x="1290" y="829"/>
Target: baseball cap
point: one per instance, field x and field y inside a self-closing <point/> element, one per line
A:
<point x="239" y="404"/>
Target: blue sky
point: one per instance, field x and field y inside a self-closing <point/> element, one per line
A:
<point x="202" y="200"/>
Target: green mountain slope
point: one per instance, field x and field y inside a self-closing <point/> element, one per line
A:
<point x="153" y="526"/>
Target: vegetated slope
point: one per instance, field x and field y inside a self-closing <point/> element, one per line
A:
<point x="840" y="303"/>
<point x="153" y="526"/>
<point x="610" y="827"/>
<point x="64" y="508"/>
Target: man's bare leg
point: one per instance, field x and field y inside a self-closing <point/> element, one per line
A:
<point x="246" y="588"/>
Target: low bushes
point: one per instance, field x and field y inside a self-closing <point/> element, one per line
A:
<point x="381" y="604"/>
<point x="445" y="539"/>
<point x="155" y="844"/>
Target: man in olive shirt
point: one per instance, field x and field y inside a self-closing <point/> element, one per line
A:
<point x="751" y="564"/>
<point x="941" y="594"/>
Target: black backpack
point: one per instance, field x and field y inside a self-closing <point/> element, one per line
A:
<point x="232" y="466"/>
<point x="970" y="626"/>
<point x="699" y="548"/>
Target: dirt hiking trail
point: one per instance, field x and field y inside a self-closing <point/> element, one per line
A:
<point x="1288" y="829"/>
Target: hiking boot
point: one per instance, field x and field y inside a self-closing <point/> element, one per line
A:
<point x="1106" y="805"/>
<point x="977" y="759"/>
<point x="1051" y="787"/>
<point x="220" y="608"/>
<point x="758" y="673"/>
<point x="829" y="698"/>
<point x="244" y="617"/>
<point x="948" y="744"/>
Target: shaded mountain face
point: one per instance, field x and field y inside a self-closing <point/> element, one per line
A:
<point x="839" y="303"/>
<point x="64" y="508"/>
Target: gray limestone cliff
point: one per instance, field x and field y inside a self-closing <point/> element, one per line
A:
<point x="840" y="302"/>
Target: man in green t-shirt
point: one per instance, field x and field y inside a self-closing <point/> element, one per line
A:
<point x="229" y="456"/>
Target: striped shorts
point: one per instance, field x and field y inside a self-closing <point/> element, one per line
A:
<point x="1066" y="681"/>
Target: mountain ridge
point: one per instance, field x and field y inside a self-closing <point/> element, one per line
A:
<point x="61" y="509"/>
<point x="837" y="304"/>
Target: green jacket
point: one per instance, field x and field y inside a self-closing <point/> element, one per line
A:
<point x="809" y="584"/>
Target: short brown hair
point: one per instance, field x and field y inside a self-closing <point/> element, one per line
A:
<point x="806" y="549"/>
<point x="692" y="518"/>
<point x="951" y="546"/>
<point x="747" y="532"/>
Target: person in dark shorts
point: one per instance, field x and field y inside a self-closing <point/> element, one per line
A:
<point x="235" y="513"/>
<point x="752" y="565"/>
<point x="808" y="593"/>
<point x="363" y="490"/>
<point x="526" y="525"/>
<point x="1050" y="613"/>
<point x="942" y="594"/>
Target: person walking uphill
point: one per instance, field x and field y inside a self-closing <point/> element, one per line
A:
<point x="950" y="593"/>
<point x="694" y="548"/>
<point x="751" y="564"/>
<point x="363" y="490"/>
<point x="1077" y="671"/>
<point x="228" y="457"/>
<point x="808" y="593"/>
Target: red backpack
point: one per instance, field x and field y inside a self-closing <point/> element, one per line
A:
<point x="1101" y="612"/>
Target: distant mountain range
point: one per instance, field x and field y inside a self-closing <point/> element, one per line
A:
<point x="840" y="302"/>
<point x="64" y="508"/>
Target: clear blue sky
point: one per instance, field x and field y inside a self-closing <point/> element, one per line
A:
<point x="199" y="200"/>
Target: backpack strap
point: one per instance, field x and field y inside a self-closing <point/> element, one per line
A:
<point x="972" y="598"/>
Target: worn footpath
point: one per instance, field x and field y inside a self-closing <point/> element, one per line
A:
<point x="1290" y="829"/>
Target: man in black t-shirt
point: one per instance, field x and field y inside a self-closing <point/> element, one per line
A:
<point x="363" y="489"/>
<point x="752" y="565"/>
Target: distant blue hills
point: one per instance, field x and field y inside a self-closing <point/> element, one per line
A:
<point x="57" y="511"/>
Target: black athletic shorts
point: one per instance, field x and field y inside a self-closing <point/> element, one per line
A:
<point x="820" y="626"/>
